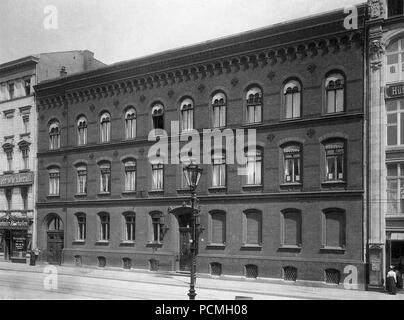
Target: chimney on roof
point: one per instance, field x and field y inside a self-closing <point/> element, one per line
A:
<point x="63" y="72"/>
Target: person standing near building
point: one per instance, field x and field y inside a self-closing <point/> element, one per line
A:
<point x="391" y="281"/>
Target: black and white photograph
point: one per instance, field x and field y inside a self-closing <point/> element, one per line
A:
<point x="211" y="150"/>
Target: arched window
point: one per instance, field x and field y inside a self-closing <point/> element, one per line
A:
<point x="54" y="180"/>
<point x="158" y="116"/>
<point x="219" y="105"/>
<point x="81" y="226"/>
<point x="292" y="163"/>
<point x="130" y="174"/>
<point x="105" y="177"/>
<point x="130" y="123"/>
<point x="395" y="60"/>
<point x="254" y="105"/>
<point x="157" y="227"/>
<point x="81" y="178"/>
<point x="104" y="226"/>
<point x="130" y="226"/>
<point x="219" y="169"/>
<point x="187" y="114"/>
<point x="335" y="93"/>
<point x="105" y="127"/>
<point x="157" y="175"/>
<point x="292" y="99"/>
<point x="55" y="224"/>
<point x="254" y="166"/>
<point x="54" y="135"/>
<point x="82" y="131"/>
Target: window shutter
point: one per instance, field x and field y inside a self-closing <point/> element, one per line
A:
<point x="292" y="228"/>
<point x="218" y="228"/>
<point x="253" y="228"/>
<point x="335" y="229"/>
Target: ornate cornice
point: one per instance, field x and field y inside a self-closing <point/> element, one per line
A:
<point x="205" y="70"/>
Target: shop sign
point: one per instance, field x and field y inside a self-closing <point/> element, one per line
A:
<point x="12" y="224"/>
<point x="395" y="90"/>
<point x="19" y="243"/>
<point x="18" y="179"/>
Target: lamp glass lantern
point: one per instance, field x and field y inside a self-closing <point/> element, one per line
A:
<point x="192" y="174"/>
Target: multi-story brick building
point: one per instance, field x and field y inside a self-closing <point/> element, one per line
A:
<point x="18" y="139"/>
<point x="385" y="74"/>
<point x="297" y="215"/>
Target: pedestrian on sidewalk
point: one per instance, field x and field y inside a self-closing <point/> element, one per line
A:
<point x="391" y="281"/>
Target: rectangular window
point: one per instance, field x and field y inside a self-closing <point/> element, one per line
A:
<point x="219" y="116"/>
<point x="24" y="197"/>
<point x="292" y="225"/>
<point x="25" y="122"/>
<point x="81" y="227"/>
<point x="395" y="189"/>
<point x="11" y="92"/>
<point x="157" y="230"/>
<point x="105" y="185"/>
<point x="54" y="183"/>
<point x="218" y="232"/>
<point x="292" y="166"/>
<point x="27" y="87"/>
<point x="130" y="228"/>
<point x="105" y="227"/>
<point x="334" y="230"/>
<point x="253" y="233"/>
<point x="25" y="158"/>
<point x="254" y="167"/>
<point x="82" y="181"/>
<point x="9" y="155"/>
<point x="335" y="162"/>
<point x="9" y="195"/>
<point x="395" y="122"/>
<point x="219" y="170"/>
<point x="130" y="176"/>
<point x="158" y="177"/>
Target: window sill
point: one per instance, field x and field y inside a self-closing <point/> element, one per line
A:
<point x="24" y="135"/>
<point x="256" y="247"/>
<point x="251" y="188"/>
<point x="8" y="172"/>
<point x="327" y="184"/>
<point x="217" y="189"/>
<point x="183" y="190"/>
<point x="220" y="246"/>
<point x="334" y="249"/>
<point x="24" y="171"/>
<point x="79" y="242"/>
<point x="156" y="192"/>
<point x="127" y="243"/>
<point x="103" y="194"/>
<point x="154" y="245"/>
<point x="129" y="193"/>
<point x="80" y="195"/>
<point x="53" y="196"/>
<point x="102" y="243"/>
<point x="290" y="248"/>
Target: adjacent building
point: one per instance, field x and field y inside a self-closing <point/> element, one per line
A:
<point x="18" y="141"/>
<point x="385" y="140"/>
<point x="299" y="213"/>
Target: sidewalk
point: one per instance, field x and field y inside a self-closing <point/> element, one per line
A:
<point x="239" y="287"/>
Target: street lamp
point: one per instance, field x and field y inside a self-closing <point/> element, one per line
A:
<point x="193" y="174"/>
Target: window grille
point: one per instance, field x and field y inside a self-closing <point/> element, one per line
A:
<point x="77" y="261"/>
<point x="251" y="271"/>
<point x="332" y="276"/>
<point x="154" y="265"/>
<point x="215" y="269"/>
<point x="102" y="262"/>
<point x="289" y="273"/>
<point x="127" y="263"/>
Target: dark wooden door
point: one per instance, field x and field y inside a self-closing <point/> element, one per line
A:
<point x="55" y="247"/>
<point x="185" y="249"/>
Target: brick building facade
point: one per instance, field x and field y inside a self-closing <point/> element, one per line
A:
<point x="299" y="213"/>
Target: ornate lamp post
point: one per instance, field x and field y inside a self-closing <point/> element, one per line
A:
<point x="193" y="174"/>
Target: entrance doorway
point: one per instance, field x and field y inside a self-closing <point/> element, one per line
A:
<point x="55" y="241"/>
<point x="185" y="256"/>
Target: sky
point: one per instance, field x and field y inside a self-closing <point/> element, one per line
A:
<point x="117" y="30"/>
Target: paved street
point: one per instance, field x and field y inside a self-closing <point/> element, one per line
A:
<point x="30" y="282"/>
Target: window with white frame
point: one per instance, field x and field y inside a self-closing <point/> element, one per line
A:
<point x="81" y="179"/>
<point x="395" y="122"/>
<point x="395" y="189"/>
<point x="187" y="114"/>
<point x="54" y="135"/>
<point x="219" y="169"/>
<point x="105" y="127"/>
<point x="252" y="228"/>
<point x="130" y="174"/>
<point x="81" y="226"/>
<point x="130" y="123"/>
<point x="54" y="179"/>
<point x="395" y="61"/>
<point x="105" y="177"/>
<point x="292" y="99"/>
<point x="335" y="93"/>
<point x="219" y="105"/>
<point x="157" y="176"/>
<point x="82" y="131"/>
<point x="158" y="116"/>
<point x="292" y="164"/>
<point x="104" y="226"/>
<point x="130" y="224"/>
<point x="335" y="161"/>
<point x="254" y="166"/>
<point x="254" y="105"/>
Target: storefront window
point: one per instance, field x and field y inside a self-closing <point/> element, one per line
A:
<point x="395" y="122"/>
<point x="395" y="189"/>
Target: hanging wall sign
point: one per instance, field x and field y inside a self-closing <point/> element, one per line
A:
<point x="395" y="90"/>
